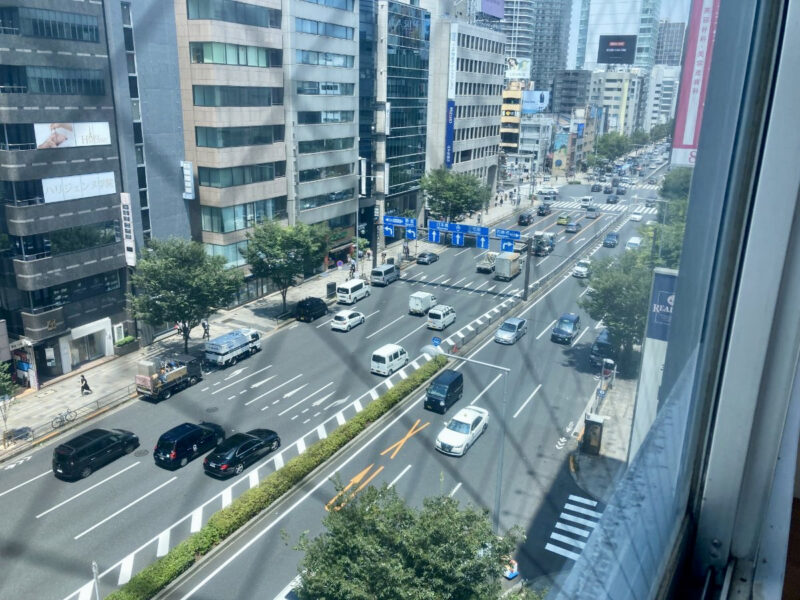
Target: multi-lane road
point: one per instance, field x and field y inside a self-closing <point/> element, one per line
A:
<point x="306" y="381"/>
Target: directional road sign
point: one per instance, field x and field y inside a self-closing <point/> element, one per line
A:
<point x="436" y="341"/>
<point x="433" y="235"/>
<point x="388" y="230"/>
<point x="475" y="230"/>
<point x="507" y="233"/>
<point x="402" y="221"/>
<point x="411" y="233"/>
<point x="482" y="241"/>
<point x="458" y="239"/>
<point x="507" y="245"/>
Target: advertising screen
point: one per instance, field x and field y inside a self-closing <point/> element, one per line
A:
<point x="494" y="8"/>
<point x="58" y="189"/>
<point x="535" y="101"/>
<point x="69" y="135"/>
<point x="518" y="68"/>
<point x="449" y="133"/>
<point x="616" y="49"/>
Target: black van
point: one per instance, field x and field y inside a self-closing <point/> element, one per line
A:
<point x="176" y="447"/>
<point x="445" y="391"/>
<point x="310" y="308"/>
<point x="602" y="348"/>
<point x="79" y="457"/>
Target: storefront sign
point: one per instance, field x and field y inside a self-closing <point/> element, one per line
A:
<point x="188" y="180"/>
<point x="128" y="240"/>
<point x="59" y="189"/>
<point x="70" y="135"/>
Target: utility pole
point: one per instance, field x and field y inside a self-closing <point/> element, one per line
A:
<point x="528" y="258"/>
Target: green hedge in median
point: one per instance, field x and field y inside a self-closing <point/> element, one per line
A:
<point x="156" y="576"/>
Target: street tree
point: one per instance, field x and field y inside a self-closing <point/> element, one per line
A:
<point x="619" y="295"/>
<point x="281" y="254"/>
<point x="450" y="194"/>
<point x="661" y="130"/>
<point x="639" y="138"/>
<point x="676" y="183"/>
<point x="613" y="145"/>
<point x="376" y="547"/>
<point x="7" y="389"/>
<point x="176" y="281"/>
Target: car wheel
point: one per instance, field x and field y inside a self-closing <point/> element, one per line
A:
<point x="184" y="461"/>
<point x="348" y="327"/>
<point x="166" y="394"/>
<point x="192" y="380"/>
<point x="368" y="293"/>
<point x="129" y="448"/>
<point x="85" y="472"/>
<point x="362" y="320"/>
<point x="239" y="468"/>
<point x="220" y="439"/>
<point x="275" y="445"/>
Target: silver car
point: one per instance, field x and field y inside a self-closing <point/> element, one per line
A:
<point x="511" y="330"/>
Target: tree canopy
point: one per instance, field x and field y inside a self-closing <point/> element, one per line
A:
<point x="613" y="145"/>
<point x="282" y="253"/>
<point x="662" y="130"/>
<point x="376" y="547"/>
<point x="676" y="183"/>
<point x="176" y="281"/>
<point x="640" y="138"/>
<point x="450" y="194"/>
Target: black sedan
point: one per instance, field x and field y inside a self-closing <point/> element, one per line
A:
<point x="596" y="187"/>
<point x="612" y="199"/>
<point x="426" y="258"/>
<point x="608" y="190"/>
<point x="240" y="450"/>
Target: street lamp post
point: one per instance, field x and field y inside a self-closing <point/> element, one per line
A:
<point x="498" y="484"/>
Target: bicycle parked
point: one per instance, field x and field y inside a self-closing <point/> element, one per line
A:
<point x="63" y="418"/>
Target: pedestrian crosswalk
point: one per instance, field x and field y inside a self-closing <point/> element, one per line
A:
<point x="577" y="520"/>
<point x="565" y="204"/>
<point x="646" y="186"/>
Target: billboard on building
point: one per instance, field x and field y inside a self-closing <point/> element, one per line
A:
<point x="70" y="135"/>
<point x="616" y="49"/>
<point x="694" y="79"/>
<point x="58" y="189"/>
<point x="494" y="8"/>
<point x="535" y="102"/>
<point x="129" y="242"/>
<point x="581" y="127"/>
<point x="449" y="133"/>
<point x="518" y="68"/>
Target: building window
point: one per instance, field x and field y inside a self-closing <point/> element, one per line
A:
<point x="234" y="12"/>
<point x="230" y="95"/>
<point x="52" y="80"/>
<point x="323" y="199"/>
<point x="22" y="192"/>
<point x="242" y="216"/>
<point x="53" y="24"/>
<point x="327" y="59"/>
<point x="325" y="88"/>
<point x="328" y="145"/>
<point x="218" y="53"/>
<point x="233" y="253"/>
<point x="243" y="175"/>
<point x="230" y="137"/>
<point x="312" y="117"/>
<point x="74" y="291"/>
<point x="326" y="172"/>
<point x="340" y="4"/>
<point x="323" y="28"/>
<point x="63" y="241"/>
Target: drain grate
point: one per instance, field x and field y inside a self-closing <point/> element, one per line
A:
<point x="212" y="409"/>
<point x="141" y="452"/>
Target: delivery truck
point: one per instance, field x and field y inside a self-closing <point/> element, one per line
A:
<point x="486" y="265"/>
<point x="419" y="303"/>
<point x="233" y="346"/>
<point x="507" y="265"/>
<point x="159" y="378"/>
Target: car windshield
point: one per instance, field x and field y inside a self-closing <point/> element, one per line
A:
<point x="437" y="389"/>
<point x="458" y="426"/>
<point x="230" y="444"/>
<point x="508" y="327"/>
<point x="377" y="358"/>
<point x="564" y="325"/>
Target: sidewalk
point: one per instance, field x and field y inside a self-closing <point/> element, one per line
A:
<point x="598" y="475"/>
<point x="114" y="376"/>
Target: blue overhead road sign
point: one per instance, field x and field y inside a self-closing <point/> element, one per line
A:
<point x="507" y="245"/>
<point x="458" y="239"/>
<point x="507" y="233"/>
<point x="402" y="221"/>
<point x="433" y="235"/>
<point x="482" y="241"/>
<point x="388" y="230"/>
<point x="411" y="233"/>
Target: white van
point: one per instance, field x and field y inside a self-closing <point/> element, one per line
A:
<point x="421" y="302"/>
<point x="384" y="275"/>
<point x="351" y="291"/>
<point x="633" y="243"/>
<point x="586" y="201"/>
<point x="440" y="316"/>
<point x="387" y="359"/>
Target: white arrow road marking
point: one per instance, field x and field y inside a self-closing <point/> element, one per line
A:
<point x="235" y="373"/>
<point x="294" y="391"/>
<point x="225" y="387"/>
<point x="335" y="402"/>
<point x="262" y="382"/>
<point x="249" y="402"/>
<point x="299" y="402"/>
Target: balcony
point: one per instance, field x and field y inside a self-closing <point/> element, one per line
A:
<point x="46" y="271"/>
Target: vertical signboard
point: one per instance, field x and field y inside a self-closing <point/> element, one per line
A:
<point x="128" y="239"/>
<point x="188" y="180"/>
<point x="654" y="351"/>
<point x="449" y="133"/>
<point x="694" y="79"/>
<point x="450" y="115"/>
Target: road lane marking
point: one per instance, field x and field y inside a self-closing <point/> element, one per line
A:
<point x="31" y="480"/>
<point x="301" y="446"/>
<point x="541" y="261"/>
<point x="125" y="570"/>
<point x="466" y="285"/>
<point x="163" y="543"/>
<point x="578" y="520"/>
<point x="462" y="252"/>
<point x="583" y="511"/>
<point x="459" y="281"/>
<point x="227" y="497"/>
<point x="546" y="329"/>
<point x="435" y="278"/>
<point x="524" y="404"/>
<point x="455" y="489"/>
<point x="411" y="333"/>
<point x="576" y="530"/>
<point x="340" y="418"/>
<point x="197" y="519"/>
<point x="484" y="390"/>
<point x="278" y="460"/>
<point x="479" y="287"/>
<point x="504" y="289"/>
<point x="321" y="433"/>
<point x="577" y="339"/>
<point x="445" y="281"/>
<point x="396" y="479"/>
<point x="285" y="591"/>
<point x="299" y="402"/>
<point x="124" y="508"/>
<point x="582" y="500"/>
<point x="599" y="324"/>
<point x="249" y="402"/>
<point x="374" y="394"/>
<point x="562" y="552"/>
<point x="89" y="489"/>
<point x="583" y="292"/>
<point x="384" y="327"/>
<point x="253" y="477"/>
<point x="357" y="406"/>
<point x="225" y="387"/>
<point x="567" y="540"/>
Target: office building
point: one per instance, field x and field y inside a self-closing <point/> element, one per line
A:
<point x="619" y="93"/>
<point x="468" y="87"/>
<point x="662" y="95"/>
<point x="510" y="117"/>
<point x="669" y="43"/>
<point x="535" y="138"/>
<point x="519" y="25"/>
<point x="550" y="39"/>
<point x="570" y="90"/>
<point x="63" y="281"/>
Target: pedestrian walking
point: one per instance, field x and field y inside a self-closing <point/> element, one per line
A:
<point x="85" y="389"/>
<point x="206" y="330"/>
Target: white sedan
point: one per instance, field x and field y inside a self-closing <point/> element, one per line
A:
<point x="345" y="320"/>
<point x="636" y="215"/>
<point x="583" y="269"/>
<point x="462" y="430"/>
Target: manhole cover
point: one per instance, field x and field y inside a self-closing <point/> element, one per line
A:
<point x="141" y="452"/>
<point x="212" y="409"/>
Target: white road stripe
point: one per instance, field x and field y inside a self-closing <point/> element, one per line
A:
<point x="330" y="383"/>
<point x="384" y="327"/>
<point x="285" y="591"/>
<point x="86" y="592"/>
<point x="575" y="530"/>
<point x="374" y="393"/>
<point x="578" y="520"/>
<point x="79" y="494"/>
<point x="411" y="333"/>
<point x="227" y="497"/>
<point x="163" y="543"/>
<point x="577" y="339"/>
<point x="582" y="500"/>
<point x="403" y="374"/>
<point x="546" y="329"/>
<point x="340" y="418"/>
<point x="479" y="287"/>
<point x="524" y="404"/>
<point x="238" y="381"/>
<point x="459" y="281"/>
<point x="396" y="479"/>
<point x="125" y="570"/>
<point x="445" y="281"/>
<point x="484" y="390"/>
<point x="278" y="461"/>
<point x="599" y="324"/>
<point x="389" y="384"/>
<point x="357" y="405"/>
<point x="321" y="431"/>
<point x="462" y="252"/>
<point x="455" y="489"/>
<point x="567" y="540"/>
<point x="249" y="402"/>
<point x="31" y="480"/>
<point x="562" y="552"/>
<point x="197" y="519"/>
<point x="582" y="511"/>
<point x="124" y="508"/>
<point x="301" y="446"/>
<point x="254" y="478"/>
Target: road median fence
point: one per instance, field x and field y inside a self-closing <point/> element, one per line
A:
<point x="159" y="574"/>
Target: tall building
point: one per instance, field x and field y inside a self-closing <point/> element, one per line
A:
<point x="619" y="93"/>
<point x="518" y="25"/>
<point x="617" y="17"/>
<point x="669" y="44"/>
<point x="535" y="137"/>
<point x="62" y="288"/>
<point x="550" y="41"/>
<point x="394" y="50"/>
<point x="662" y="95"/>
<point x="464" y="96"/>
<point x="510" y="117"/>
<point x="570" y="90"/>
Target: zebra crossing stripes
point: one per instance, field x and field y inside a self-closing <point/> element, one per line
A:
<point x="563" y="204"/>
<point x="576" y="522"/>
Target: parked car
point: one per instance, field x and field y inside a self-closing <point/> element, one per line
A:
<point x="181" y="444"/>
<point x="563" y="219"/>
<point x="525" y="218"/>
<point x="573" y="227"/>
<point x="345" y="320"/>
<point x="426" y="258"/>
<point x="596" y="187"/>
<point x="511" y="330"/>
<point x="311" y="308"/>
<point x="462" y="430"/>
<point x="240" y="450"/>
<point x="611" y="240"/>
<point x="566" y="328"/>
<point x="80" y="456"/>
<point x="545" y="208"/>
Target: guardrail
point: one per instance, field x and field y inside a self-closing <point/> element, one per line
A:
<point x="16" y="441"/>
